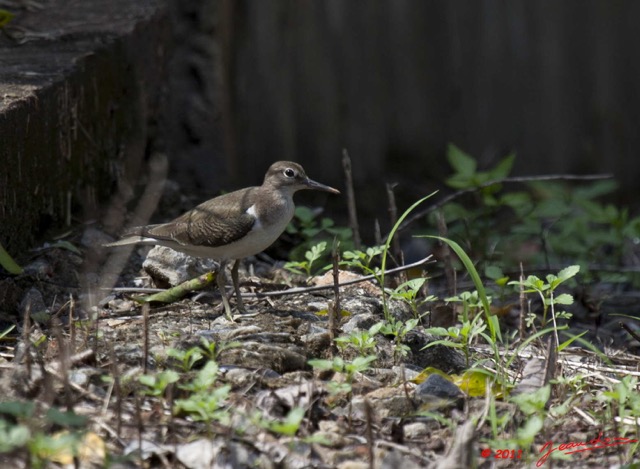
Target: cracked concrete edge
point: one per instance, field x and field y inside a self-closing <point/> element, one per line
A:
<point x="77" y="113"/>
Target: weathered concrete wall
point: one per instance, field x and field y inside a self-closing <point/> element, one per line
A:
<point x="79" y="92"/>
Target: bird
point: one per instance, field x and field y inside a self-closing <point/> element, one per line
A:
<point x="232" y="226"/>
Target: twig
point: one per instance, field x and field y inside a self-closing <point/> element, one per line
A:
<point x="26" y="337"/>
<point x="145" y="332"/>
<point x="449" y="271"/>
<point x="630" y="331"/>
<point x="351" y="200"/>
<point x="291" y="291"/>
<point x="393" y="218"/>
<point x="522" y="301"/>
<point x="550" y="177"/>
<point x="368" y="411"/>
<point x="335" y="312"/>
<point x="72" y="326"/>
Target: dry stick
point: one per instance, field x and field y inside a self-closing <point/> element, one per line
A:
<point x="351" y="200"/>
<point x="393" y="218"/>
<point x="63" y="350"/>
<point x="145" y="331"/>
<point x="139" y="424"/>
<point x="377" y="233"/>
<point x="26" y="338"/>
<point x="629" y="330"/>
<point x="445" y="200"/>
<point x="335" y="312"/>
<point x="116" y="388"/>
<point x="449" y="271"/>
<point x="522" y="303"/>
<point x="368" y="411"/>
<point x="72" y="326"/>
<point x="294" y="291"/>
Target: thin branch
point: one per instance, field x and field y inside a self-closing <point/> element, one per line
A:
<point x="292" y="291"/>
<point x="351" y="200"/>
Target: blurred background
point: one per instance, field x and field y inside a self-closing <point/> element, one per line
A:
<point x="393" y="82"/>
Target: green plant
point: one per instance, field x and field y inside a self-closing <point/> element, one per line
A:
<point x="385" y="252"/>
<point x="310" y="228"/>
<point x="363" y="260"/>
<point x="545" y="290"/>
<point x="409" y="292"/>
<point x="288" y="426"/>
<point x="34" y="431"/>
<point x="213" y="349"/>
<point x="13" y="436"/>
<point x="362" y="341"/>
<point x="206" y="401"/>
<point x="348" y="368"/>
<point x="6" y="261"/>
<point x="622" y="401"/>
<point x="311" y="256"/>
<point x="155" y="385"/>
<point x="459" y="337"/>
<point x="398" y="330"/>
<point x="186" y="358"/>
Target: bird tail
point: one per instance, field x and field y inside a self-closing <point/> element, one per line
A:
<point x="129" y="240"/>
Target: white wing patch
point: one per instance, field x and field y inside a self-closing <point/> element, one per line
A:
<point x="252" y="211"/>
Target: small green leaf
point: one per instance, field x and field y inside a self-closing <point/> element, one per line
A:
<point x="290" y="425"/>
<point x="563" y="299"/>
<point x="568" y="342"/>
<point x="503" y="168"/>
<point x="66" y="419"/>
<point x="17" y="409"/>
<point x="5" y="17"/>
<point x="7" y="261"/>
<point x="460" y="161"/>
<point x="568" y="272"/>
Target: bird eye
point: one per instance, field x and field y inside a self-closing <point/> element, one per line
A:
<point x="289" y="173"/>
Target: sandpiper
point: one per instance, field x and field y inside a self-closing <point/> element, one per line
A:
<point x="234" y="225"/>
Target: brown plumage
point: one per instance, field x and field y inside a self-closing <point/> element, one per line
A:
<point x="235" y="225"/>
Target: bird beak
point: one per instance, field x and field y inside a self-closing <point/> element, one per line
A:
<point x="311" y="184"/>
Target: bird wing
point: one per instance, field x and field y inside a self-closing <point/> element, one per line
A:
<point x="209" y="224"/>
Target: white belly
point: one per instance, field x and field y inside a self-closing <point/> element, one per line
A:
<point x="257" y="240"/>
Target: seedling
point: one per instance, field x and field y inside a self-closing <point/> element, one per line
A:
<point x="362" y="341"/>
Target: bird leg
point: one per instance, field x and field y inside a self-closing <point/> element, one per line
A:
<point x="221" y="286"/>
<point x="236" y="286"/>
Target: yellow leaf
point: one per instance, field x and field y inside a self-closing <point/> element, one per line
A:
<point x="474" y="383"/>
<point x="424" y="374"/>
<point x="90" y="448"/>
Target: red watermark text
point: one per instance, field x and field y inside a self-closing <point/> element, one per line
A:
<point x="580" y="446"/>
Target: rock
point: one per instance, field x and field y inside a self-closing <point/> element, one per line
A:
<point x="169" y="267"/>
<point x="436" y="392"/>
<point x="39" y="268"/>
<point x="385" y="402"/>
<point x="444" y="358"/>
<point x="259" y="355"/>
<point x="277" y="403"/>
<point x="360" y="322"/>
<point x="33" y="303"/>
<point x="415" y="430"/>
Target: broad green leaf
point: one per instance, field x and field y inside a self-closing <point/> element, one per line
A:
<point x="460" y="161"/>
<point x="563" y="299"/>
<point x="477" y="281"/>
<point x="568" y="272"/>
<point x="503" y="168"/>
<point x="8" y="263"/>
